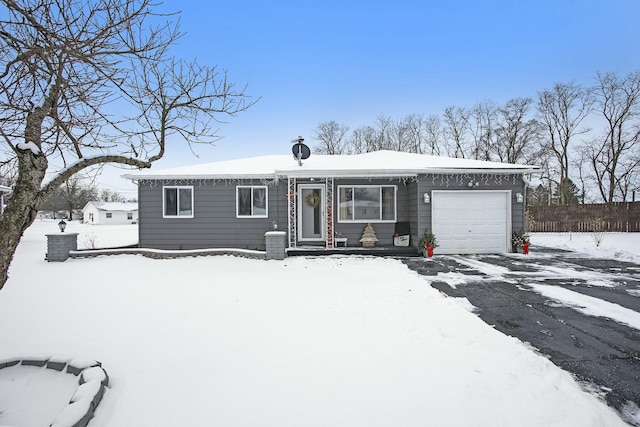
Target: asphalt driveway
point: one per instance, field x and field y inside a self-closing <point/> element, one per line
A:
<point x="602" y="352"/>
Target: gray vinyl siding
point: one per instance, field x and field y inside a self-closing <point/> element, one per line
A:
<point x="424" y="210"/>
<point x="428" y="183"/>
<point x="214" y="224"/>
<point x="384" y="231"/>
<point x="411" y="206"/>
<point x="413" y="211"/>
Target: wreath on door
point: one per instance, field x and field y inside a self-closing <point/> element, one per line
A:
<point x="312" y="200"/>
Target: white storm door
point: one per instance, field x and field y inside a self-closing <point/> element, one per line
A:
<point x="311" y="208"/>
<point x="471" y="222"/>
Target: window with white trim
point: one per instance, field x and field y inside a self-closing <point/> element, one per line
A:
<point x="177" y="202"/>
<point x="252" y="201"/>
<point x="367" y="203"/>
<point x="129" y="215"/>
<point x="109" y="215"/>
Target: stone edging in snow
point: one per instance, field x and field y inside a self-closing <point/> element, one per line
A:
<point x="165" y="253"/>
<point x="92" y="382"/>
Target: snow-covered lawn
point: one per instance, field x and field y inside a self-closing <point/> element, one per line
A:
<point x="620" y="246"/>
<point x="224" y="341"/>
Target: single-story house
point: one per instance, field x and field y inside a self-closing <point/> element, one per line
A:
<point x="4" y="192"/>
<point x="471" y="206"/>
<point x="110" y="213"/>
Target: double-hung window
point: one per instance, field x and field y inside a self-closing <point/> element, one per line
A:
<point x="367" y="203"/>
<point x="177" y="202"/>
<point x="251" y="202"/>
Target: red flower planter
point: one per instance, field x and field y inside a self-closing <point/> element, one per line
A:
<point x="525" y="248"/>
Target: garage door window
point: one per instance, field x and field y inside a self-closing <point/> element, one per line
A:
<point x="367" y="203"/>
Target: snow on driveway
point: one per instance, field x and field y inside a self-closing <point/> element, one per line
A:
<point x="563" y="271"/>
<point x="589" y="305"/>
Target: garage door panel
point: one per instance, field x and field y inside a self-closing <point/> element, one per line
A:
<point x="471" y="221"/>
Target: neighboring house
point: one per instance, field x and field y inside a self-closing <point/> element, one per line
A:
<point x="110" y="213"/>
<point x="4" y="193"/>
<point x="471" y="206"/>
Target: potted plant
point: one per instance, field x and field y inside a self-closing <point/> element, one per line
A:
<point x="520" y="242"/>
<point x="428" y="242"/>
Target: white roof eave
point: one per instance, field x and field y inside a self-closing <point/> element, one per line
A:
<point x="486" y="170"/>
<point x="345" y="173"/>
<point x="398" y="173"/>
<point x="357" y="173"/>
<point x="198" y="176"/>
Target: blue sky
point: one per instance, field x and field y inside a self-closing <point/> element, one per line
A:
<point x="352" y="61"/>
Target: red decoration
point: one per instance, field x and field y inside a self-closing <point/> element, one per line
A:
<point x="429" y="251"/>
<point x="525" y="248"/>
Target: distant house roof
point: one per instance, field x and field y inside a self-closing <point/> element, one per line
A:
<point x="113" y="206"/>
<point x="374" y="164"/>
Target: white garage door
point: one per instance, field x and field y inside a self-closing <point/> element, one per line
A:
<point x="471" y="222"/>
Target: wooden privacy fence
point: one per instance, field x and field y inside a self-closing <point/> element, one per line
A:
<point x="624" y="216"/>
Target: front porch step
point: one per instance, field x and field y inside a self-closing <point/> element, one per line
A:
<point x="388" y="251"/>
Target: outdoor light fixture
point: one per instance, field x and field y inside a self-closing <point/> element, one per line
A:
<point x="275" y="224"/>
<point x="62" y="225"/>
<point x="519" y="198"/>
<point x="473" y="183"/>
<point x="427" y="199"/>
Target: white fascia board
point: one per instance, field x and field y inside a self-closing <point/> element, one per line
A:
<point x="503" y="171"/>
<point x="136" y="178"/>
<point x="399" y="173"/>
<point x="347" y="173"/>
<point x="358" y="173"/>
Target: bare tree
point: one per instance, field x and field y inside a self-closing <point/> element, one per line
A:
<point x="107" y="195"/>
<point x="382" y="136"/>
<point x="517" y="136"/>
<point x="433" y="135"/>
<point x="76" y="194"/>
<point x="71" y="196"/>
<point x="482" y="121"/>
<point x="363" y="140"/>
<point x="562" y="110"/>
<point x="331" y="135"/>
<point x="616" y="155"/>
<point x="580" y="163"/>
<point x="415" y="134"/>
<point x="456" y="125"/>
<point x="357" y="142"/>
<point x="400" y="136"/>
<point x="89" y="82"/>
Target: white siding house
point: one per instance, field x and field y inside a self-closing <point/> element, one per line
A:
<point x="4" y="191"/>
<point x="110" y="213"/>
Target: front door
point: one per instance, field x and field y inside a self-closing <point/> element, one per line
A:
<point x="311" y="224"/>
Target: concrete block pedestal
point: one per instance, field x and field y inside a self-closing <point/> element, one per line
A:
<point x="275" y="241"/>
<point x="59" y="245"/>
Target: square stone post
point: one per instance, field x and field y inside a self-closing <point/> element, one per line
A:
<point x="59" y="245"/>
<point x="275" y="244"/>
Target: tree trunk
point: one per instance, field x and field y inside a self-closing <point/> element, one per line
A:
<point x="22" y="209"/>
